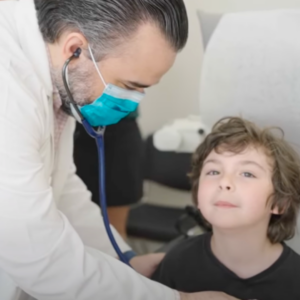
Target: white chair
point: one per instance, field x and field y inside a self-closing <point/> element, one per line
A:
<point x="276" y="101"/>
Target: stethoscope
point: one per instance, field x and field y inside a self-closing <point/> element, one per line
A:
<point x="98" y="135"/>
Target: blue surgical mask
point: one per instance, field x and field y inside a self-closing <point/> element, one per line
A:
<point x="114" y="104"/>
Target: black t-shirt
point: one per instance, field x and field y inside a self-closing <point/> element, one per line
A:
<point x="192" y="267"/>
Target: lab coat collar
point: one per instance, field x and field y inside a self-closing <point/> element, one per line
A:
<point x="32" y="42"/>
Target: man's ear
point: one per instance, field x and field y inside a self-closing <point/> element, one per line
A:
<point x="71" y="43"/>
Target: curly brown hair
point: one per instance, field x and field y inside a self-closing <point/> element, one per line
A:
<point x="235" y="134"/>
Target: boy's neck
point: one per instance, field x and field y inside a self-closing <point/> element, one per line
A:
<point x="245" y="252"/>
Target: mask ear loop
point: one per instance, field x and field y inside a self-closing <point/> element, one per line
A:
<point x="96" y="66"/>
<point x="76" y="54"/>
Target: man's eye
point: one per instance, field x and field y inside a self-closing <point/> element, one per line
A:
<point x="248" y="174"/>
<point x="129" y="88"/>
<point x="213" y="173"/>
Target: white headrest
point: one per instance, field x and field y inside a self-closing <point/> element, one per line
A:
<point x="182" y="135"/>
<point x="251" y="68"/>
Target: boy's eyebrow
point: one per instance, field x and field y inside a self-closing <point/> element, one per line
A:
<point x="212" y="161"/>
<point x="244" y="162"/>
<point x="251" y="162"/>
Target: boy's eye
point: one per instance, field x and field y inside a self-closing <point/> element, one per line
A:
<point x="248" y="174"/>
<point x="213" y="173"/>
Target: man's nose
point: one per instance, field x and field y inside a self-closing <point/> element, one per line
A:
<point x="226" y="183"/>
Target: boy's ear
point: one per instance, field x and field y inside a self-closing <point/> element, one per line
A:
<point x="276" y="210"/>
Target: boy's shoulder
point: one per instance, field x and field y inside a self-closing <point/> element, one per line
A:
<point x="283" y="275"/>
<point x="290" y="260"/>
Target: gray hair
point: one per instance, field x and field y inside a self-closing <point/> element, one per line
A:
<point x="108" y="23"/>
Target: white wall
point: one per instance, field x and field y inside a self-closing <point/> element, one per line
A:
<point x="177" y="94"/>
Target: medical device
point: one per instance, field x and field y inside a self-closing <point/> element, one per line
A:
<point x="98" y="135"/>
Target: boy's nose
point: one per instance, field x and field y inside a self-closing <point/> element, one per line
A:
<point x="226" y="183"/>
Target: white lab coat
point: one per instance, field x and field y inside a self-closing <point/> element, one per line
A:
<point x="50" y="231"/>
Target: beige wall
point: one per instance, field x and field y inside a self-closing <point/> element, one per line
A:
<point x="177" y="94"/>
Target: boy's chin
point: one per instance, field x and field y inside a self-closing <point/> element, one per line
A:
<point x="226" y="224"/>
<point x="226" y="227"/>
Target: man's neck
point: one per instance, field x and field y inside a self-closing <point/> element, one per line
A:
<point x="246" y="252"/>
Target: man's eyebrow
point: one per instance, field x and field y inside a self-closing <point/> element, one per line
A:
<point x="138" y="85"/>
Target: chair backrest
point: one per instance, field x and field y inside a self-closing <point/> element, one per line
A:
<point x="253" y="70"/>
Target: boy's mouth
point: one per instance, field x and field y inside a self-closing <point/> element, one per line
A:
<point x="225" y="204"/>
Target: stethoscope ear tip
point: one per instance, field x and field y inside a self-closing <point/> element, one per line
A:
<point x="77" y="52"/>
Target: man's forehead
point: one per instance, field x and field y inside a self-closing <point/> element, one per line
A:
<point x="139" y="74"/>
<point x="148" y="51"/>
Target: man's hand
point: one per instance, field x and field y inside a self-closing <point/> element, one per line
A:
<point x="147" y="264"/>
<point x="206" y="296"/>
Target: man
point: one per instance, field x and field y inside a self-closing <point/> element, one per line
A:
<point x="53" y="243"/>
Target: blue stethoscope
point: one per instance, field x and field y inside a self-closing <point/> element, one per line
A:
<point x="98" y="135"/>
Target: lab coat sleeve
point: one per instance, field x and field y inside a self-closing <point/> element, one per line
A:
<point x="85" y="216"/>
<point x="39" y="248"/>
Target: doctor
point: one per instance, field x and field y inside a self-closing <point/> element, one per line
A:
<point x="52" y="241"/>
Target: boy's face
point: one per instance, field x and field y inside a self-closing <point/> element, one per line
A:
<point x="234" y="189"/>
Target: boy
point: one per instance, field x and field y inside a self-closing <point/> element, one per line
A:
<point x="246" y="182"/>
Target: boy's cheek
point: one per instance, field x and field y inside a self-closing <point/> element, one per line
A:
<point x="205" y="189"/>
<point x="203" y="201"/>
<point x="207" y="193"/>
